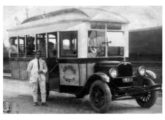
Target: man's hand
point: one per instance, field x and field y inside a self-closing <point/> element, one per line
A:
<point x="40" y="72"/>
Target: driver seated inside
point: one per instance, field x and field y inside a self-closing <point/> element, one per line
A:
<point x="92" y="52"/>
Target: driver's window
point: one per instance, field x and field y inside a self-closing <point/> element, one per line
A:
<point x="96" y="46"/>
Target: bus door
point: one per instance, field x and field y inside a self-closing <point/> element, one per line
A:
<point x="53" y="67"/>
<point x="69" y="70"/>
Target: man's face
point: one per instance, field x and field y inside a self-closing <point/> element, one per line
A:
<point x="38" y="54"/>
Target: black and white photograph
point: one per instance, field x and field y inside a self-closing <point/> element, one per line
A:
<point x="82" y="59"/>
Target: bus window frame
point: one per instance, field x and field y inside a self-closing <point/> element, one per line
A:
<point x="29" y="56"/>
<point x="11" y="43"/>
<point x="56" y="39"/>
<point x="45" y="37"/>
<point x="24" y="46"/>
<point x="60" y="45"/>
<point x="96" y="30"/>
<point x="18" y="54"/>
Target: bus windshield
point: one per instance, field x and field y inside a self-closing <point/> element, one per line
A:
<point x="115" y="43"/>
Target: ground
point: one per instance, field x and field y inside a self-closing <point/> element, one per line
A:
<point x="18" y="93"/>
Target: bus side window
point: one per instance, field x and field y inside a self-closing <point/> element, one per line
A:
<point x="68" y="44"/>
<point x="17" y="48"/>
<point x="30" y="47"/>
<point x="13" y="46"/>
<point x="41" y="43"/>
<point x="21" y="46"/>
<point x="52" y="44"/>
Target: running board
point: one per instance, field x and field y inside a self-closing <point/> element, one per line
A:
<point x="123" y="98"/>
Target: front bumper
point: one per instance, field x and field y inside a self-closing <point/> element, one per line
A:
<point x="130" y="92"/>
<point x="137" y="90"/>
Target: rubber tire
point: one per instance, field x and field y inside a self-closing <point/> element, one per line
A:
<point x="153" y="97"/>
<point x="108" y="96"/>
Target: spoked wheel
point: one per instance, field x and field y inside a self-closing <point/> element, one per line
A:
<point x="100" y="96"/>
<point x="148" y="99"/>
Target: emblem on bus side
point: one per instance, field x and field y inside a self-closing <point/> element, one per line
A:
<point x="69" y="73"/>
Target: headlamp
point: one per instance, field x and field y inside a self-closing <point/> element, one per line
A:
<point x="113" y="72"/>
<point x="141" y="71"/>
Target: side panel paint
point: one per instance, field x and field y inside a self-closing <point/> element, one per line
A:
<point x="83" y="74"/>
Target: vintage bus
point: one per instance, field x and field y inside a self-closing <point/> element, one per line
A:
<point x="86" y="50"/>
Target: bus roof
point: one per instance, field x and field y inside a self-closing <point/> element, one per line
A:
<point x="90" y="14"/>
<point x="65" y="19"/>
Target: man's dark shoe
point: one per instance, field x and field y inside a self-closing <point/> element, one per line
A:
<point x="36" y="104"/>
<point x="44" y="104"/>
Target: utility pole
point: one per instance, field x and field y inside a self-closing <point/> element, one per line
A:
<point x="17" y="20"/>
<point x="27" y="12"/>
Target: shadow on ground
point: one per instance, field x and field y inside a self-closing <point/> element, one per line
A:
<point x="66" y="104"/>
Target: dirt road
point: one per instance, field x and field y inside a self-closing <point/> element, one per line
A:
<point x="19" y="95"/>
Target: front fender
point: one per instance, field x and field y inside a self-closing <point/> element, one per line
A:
<point x="104" y="77"/>
<point x="150" y="74"/>
<point x="96" y="76"/>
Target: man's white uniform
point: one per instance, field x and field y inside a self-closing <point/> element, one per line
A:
<point x="35" y="78"/>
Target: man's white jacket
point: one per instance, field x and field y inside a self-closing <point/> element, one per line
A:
<point x="33" y="70"/>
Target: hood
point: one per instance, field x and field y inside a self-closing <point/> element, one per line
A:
<point x="124" y="68"/>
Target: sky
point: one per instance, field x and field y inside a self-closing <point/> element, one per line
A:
<point x="139" y="16"/>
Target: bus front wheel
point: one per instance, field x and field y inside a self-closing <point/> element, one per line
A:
<point x="100" y="96"/>
<point x="148" y="99"/>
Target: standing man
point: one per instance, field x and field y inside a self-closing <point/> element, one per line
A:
<point x="37" y="70"/>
